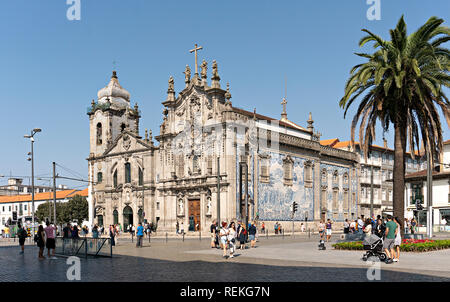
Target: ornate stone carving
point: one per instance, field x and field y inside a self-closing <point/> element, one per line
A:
<point x="204" y="68"/>
<point x="187" y="75"/>
<point x="126" y="142"/>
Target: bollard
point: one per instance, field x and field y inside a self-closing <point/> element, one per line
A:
<point x="166" y="237"/>
<point x="309" y="233"/>
<point x="267" y="234"/>
<point x="200" y="235"/>
<point x="131" y="237"/>
<point x="149" y="235"/>
<point x="183" y="236"/>
<point x="282" y="233"/>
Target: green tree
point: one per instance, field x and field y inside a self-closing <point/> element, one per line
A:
<point x="42" y="212"/>
<point x="401" y="85"/>
<point x="76" y="209"/>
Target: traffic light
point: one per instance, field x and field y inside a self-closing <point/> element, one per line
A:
<point x="14" y="216"/>
<point x="294" y="207"/>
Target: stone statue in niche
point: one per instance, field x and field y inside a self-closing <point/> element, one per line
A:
<point x="180" y="207"/>
<point x="208" y="206"/>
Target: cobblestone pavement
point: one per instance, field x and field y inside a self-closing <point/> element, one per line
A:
<point x="275" y="259"/>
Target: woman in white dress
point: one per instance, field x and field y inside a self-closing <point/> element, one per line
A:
<point x="223" y="233"/>
<point x="232" y="238"/>
<point x="397" y="241"/>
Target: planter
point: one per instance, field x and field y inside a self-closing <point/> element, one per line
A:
<point x="408" y="245"/>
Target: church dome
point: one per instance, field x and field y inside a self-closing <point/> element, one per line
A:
<point x="114" y="92"/>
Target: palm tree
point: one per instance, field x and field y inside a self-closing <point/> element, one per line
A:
<point x="401" y="85"/>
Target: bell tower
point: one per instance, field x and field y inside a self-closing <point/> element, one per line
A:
<point x="110" y="115"/>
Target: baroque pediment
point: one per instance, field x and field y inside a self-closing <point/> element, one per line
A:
<point x="126" y="142"/>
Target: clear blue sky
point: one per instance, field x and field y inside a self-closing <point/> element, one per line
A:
<point x="51" y="68"/>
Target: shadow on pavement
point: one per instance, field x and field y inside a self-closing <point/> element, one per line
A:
<point x="27" y="267"/>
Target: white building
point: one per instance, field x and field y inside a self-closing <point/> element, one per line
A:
<point x="380" y="162"/>
<point x="416" y="188"/>
<point x="23" y="206"/>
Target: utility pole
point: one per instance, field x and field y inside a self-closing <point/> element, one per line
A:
<point x="218" y="191"/>
<point x="54" y="193"/>
<point x="430" y="194"/>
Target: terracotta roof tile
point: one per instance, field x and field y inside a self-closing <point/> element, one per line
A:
<point x="43" y="196"/>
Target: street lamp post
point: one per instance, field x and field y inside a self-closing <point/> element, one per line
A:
<point x="33" y="132"/>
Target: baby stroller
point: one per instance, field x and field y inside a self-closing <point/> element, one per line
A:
<point x="374" y="247"/>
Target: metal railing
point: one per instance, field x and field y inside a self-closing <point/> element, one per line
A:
<point x="83" y="246"/>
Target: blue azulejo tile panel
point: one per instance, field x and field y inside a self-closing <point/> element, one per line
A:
<point x="275" y="197"/>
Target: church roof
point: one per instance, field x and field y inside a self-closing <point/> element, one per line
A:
<point x="286" y="123"/>
<point x="329" y="142"/>
<point x="114" y="92"/>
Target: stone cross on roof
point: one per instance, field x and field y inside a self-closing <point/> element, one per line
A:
<point x="195" y="51"/>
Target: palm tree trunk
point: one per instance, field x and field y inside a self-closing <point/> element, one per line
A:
<point x="399" y="172"/>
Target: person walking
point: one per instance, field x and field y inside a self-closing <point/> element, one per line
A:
<point x="263" y="228"/>
<point x="177" y="227"/>
<point x="413" y="226"/>
<point x="75" y="232"/>
<point x="275" y="226"/>
<point x="182" y="228"/>
<point x="112" y="235"/>
<point x="321" y="229"/>
<point x="67" y="234"/>
<point x="346" y="226"/>
<point x="213" y="230"/>
<point x="328" y="227"/>
<point x="40" y="241"/>
<point x="360" y="224"/>
<point x="223" y="238"/>
<point x="367" y="229"/>
<point x="95" y="232"/>
<point x="22" y="234"/>
<point x="232" y="238"/>
<point x="397" y="241"/>
<point x="50" y="243"/>
<point x="353" y="227"/>
<point x="390" y="233"/>
<point x="139" y="235"/>
<point x="380" y="228"/>
<point x="252" y="234"/>
<point x="242" y="236"/>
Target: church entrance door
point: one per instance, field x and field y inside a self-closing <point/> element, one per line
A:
<point x="127" y="217"/>
<point x="194" y="215"/>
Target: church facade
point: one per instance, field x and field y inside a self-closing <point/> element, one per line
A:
<point x="193" y="172"/>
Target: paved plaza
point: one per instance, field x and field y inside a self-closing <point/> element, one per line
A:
<point x="276" y="259"/>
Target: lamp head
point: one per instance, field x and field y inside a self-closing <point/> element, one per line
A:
<point x="36" y="130"/>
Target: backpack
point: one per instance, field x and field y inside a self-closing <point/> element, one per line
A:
<point x="36" y="238"/>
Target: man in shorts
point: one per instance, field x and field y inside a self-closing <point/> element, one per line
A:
<point x="390" y="233"/>
<point x="50" y="243"/>
<point x="22" y="234"/>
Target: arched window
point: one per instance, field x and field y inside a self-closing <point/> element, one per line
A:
<point x="141" y="216"/>
<point x="127" y="173"/>
<point x="288" y="167"/>
<point x="115" y="179"/>
<point x="99" y="134"/>
<point x="100" y="220"/>
<point x="115" y="217"/>
<point x="141" y="177"/>
<point x="99" y="177"/>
